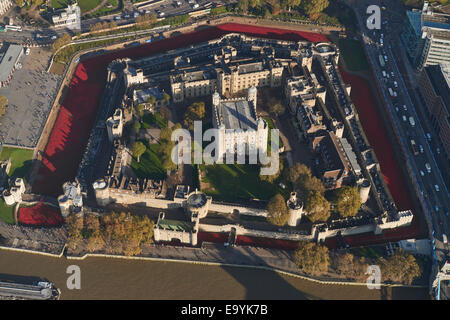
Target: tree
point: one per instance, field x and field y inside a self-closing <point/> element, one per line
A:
<point x="305" y="184"/>
<point x="151" y="100"/>
<point x="242" y="6"/>
<point x="138" y="149"/>
<point x="137" y="126"/>
<point x="317" y="206"/>
<point x="350" y="266"/>
<point x="277" y="109"/>
<point x="277" y="211"/>
<point x="347" y="201"/>
<point x="166" y="98"/>
<point x="140" y="110"/>
<point x="195" y="112"/>
<point x="314" y="7"/>
<point x="95" y="241"/>
<point x="400" y="267"/>
<point x="297" y="170"/>
<point x="312" y="258"/>
<point x="292" y="3"/>
<point x="61" y="41"/>
<point x="3" y="104"/>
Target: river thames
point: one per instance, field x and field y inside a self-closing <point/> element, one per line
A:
<point x="103" y="278"/>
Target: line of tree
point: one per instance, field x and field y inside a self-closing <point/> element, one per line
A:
<point x="103" y="26"/>
<point x="346" y="200"/>
<point x="311" y="8"/>
<point x="166" y="146"/>
<point x="61" y="41"/>
<point x="316" y="259"/>
<point x="120" y="233"/>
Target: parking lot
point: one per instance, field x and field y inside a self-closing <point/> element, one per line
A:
<point x="30" y="95"/>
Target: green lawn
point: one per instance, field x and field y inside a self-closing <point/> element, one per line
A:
<point x="154" y="119"/>
<point x="367" y="252"/>
<point x="353" y="54"/>
<point x="272" y="126"/>
<point x="236" y="182"/>
<point x="20" y="161"/>
<point x="150" y="165"/>
<point x="6" y="212"/>
<point x="85" y="5"/>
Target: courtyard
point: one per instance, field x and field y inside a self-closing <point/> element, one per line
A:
<point x="30" y="95"/>
<point x="20" y="161"/>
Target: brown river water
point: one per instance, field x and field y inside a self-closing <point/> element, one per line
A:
<point x="103" y="278"/>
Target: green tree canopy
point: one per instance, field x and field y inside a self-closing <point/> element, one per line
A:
<point x="195" y="112"/>
<point x="140" y="110"/>
<point x="137" y="126"/>
<point x="297" y="170"/>
<point x="314" y="7"/>
<point x="277" y="109"/>
<point x="277" y="211"/>
<point x="347" y="201"/>
<point x="243" y="5"/>
<point x="305" y="184"/>
<point x="138" y="149"/>
<point x="151" y="100"/>
<point x="312" y="258"/>
<point x="317" y="206"/>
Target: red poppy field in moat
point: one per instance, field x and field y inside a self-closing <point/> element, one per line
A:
<point x="71" y="131"/>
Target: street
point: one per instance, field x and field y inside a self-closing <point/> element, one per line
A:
<point x="427" y="174"/>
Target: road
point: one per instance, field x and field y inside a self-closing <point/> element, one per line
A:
<point x="164" y="8"/>
<point x="427" y="174"/>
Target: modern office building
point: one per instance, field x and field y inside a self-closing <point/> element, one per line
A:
<point x="434" y="84"/>
<point x="426" y="36"/>
<point x="5" y="5"/>
<point x="68" y="18"/>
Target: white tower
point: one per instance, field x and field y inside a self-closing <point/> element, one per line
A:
<point x="295" y="210"/>
<point x="364" y="189"/>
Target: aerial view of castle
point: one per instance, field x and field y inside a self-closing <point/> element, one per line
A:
<point x="105" y="112"/>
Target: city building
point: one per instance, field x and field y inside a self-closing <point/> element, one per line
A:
<point x="426" y="36"/>
<point x="434" y="85"/>
<point x="114" y="125"/>
<point x="334" y="165"/>
<point x="69" y="17"/>
<point x="71" y="201"/>
<point x="141" y="96"/>
<point x="5" y="5"/>
<point x="9" y="62"/>
<point x="240" y="130"/>
<point x="310" y="119"/>
<point x="15" y="192"/>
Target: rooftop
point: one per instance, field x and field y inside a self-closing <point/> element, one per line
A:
<point x="237" y="114"/>
<point x="9" y="60"/>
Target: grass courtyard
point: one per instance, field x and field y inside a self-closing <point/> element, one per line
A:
<point x="85" y="5"/>
<point x="234" y="182"/>
<point x="353" y="54"/>
<point x="20" y="161"/>
<point x="6" y="212"/>
<point x="150" y="165"/>
<point x="154" y="119"/>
